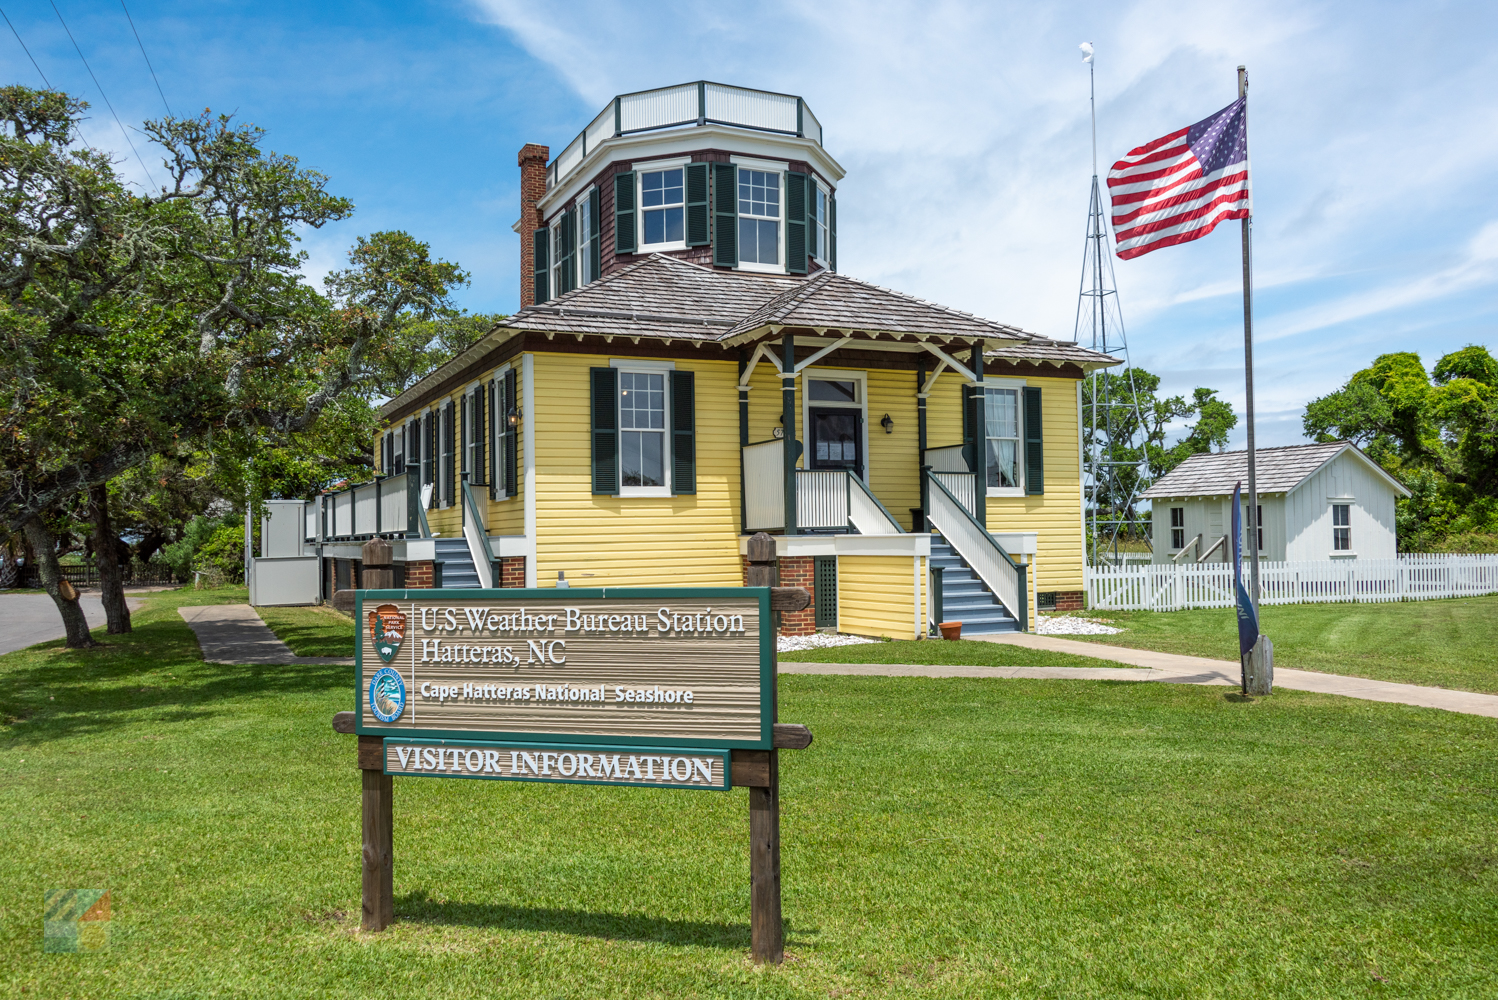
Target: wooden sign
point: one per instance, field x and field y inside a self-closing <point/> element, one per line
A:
<point x="687" y="667"/>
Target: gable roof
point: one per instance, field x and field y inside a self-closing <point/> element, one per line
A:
<point x="1277" y="470"/>
<point x="670" y="299"/>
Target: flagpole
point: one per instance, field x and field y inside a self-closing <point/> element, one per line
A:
<point x="1258" y="665"/>
<point x="1248" y="368"/>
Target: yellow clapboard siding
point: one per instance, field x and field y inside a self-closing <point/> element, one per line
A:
<point x="634" y="541"/>
<point x="876" y="596"/>
<point x="894" y="458"/>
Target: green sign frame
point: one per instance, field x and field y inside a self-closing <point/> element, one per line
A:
<point x="551" y="595"/>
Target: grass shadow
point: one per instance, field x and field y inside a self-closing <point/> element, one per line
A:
<point x="420" y="907"/>
<point x="50" y="692"/>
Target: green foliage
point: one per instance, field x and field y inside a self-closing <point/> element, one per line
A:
<point x="209" y="543"/>
<point x="1438" y="435"/>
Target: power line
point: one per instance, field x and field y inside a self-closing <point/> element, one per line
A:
<point x="146" y="57"/>
<point x="110" y="106"/>
<point x="24" y="49"/>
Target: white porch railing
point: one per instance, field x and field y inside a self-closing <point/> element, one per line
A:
<point x="821" y="499"/>
<point x="826" y="499"/>
<point x="866" y="513"/>
<point x="977" y="548"/>
<point x="764" y="486"/>
<point x="962" y="486"/>
<point x="383" y="507"/>
<point x="1415" y="577"/>
<point x="950" y="458"/>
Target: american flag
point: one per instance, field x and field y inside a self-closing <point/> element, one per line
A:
<point x="1179" y="187"/>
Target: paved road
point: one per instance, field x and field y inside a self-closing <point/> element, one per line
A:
<point x="27" y="619"/>
<point x="1172" y="669"/>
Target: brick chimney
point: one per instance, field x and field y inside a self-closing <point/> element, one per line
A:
<point x="532" y="189"/>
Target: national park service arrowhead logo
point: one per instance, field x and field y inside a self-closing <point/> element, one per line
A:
<point x="387" y="695"/>
<point x="387" y="627"/>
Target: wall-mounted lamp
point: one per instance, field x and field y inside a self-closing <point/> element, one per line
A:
<point x="513" y="418"/>
<point x="887" y="424"/>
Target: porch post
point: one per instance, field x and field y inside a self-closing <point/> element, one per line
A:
<point x="788" y="415"/>
<point x="920" y="431"/>
<point x="980" y="440"/>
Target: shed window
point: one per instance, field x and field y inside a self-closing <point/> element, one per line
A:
<point x="663" y="201"/>
<point x="759" y="217"/>
<point x="1342" y="527"/>
<point x="642" y="430"/>
<point x="1178" y="527"/>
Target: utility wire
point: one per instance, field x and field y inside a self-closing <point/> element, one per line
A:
<point x="24" y="49"/>
<point x="110" y="106"/>
<point x="147" y="58"/>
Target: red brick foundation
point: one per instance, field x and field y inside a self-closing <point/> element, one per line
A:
<point x="419" y="575"/>
<point x="512" y="571"/>
<point x="1070" y="600"/>
<point x="794" y="571"/>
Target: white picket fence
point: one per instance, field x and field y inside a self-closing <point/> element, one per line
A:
<point x="1415" y="577"/>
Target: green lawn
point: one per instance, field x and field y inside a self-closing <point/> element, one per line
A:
<point x="312" y="631"/>
<point x="965" y="652"/>
<point x="1450" y="643"/>
<point x="942" y="838"/>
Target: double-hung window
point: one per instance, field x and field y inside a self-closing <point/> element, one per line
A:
<point x="663" y="207"/>
<point x="759" y="217"/>
<point x="586" y="227"/>
<point x="642" y="433"/>
<point x="558" y="255"/>
<point x="398" y="437"/>
<point x="1341" y="527"/>
<point x="820" y="243"/>
<point x="1178" y="527"/>
<point x="1002" y="415"/>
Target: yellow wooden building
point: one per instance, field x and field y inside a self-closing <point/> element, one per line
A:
<point x="689" y="368"/>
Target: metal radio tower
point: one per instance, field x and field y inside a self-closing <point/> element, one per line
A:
<point x="1115" y="469"/>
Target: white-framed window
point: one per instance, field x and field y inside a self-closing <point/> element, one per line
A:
<point x="663" y="208"/>
<point x="399" y="439"/>
<point x="644" y="452"/>
<point x="558" y="251"/>
<point x="759" y="219"/>
<point x="1002" y="415"/>
<point x="586" y="225"/>
<point x="1341" y="527"/>
<point x="818" y="231"/>
<point x="1178" y="527"/>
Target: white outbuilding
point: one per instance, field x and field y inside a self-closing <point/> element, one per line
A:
<point x="1316" y="502"/>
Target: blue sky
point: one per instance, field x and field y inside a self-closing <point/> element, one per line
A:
<point x="963" y="127"/>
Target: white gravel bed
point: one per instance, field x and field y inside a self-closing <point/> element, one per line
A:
<point x="817" y="640"/>
<point x="1067" y="625"/>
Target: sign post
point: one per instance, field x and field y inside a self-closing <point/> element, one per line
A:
<point x="655" y="687"/>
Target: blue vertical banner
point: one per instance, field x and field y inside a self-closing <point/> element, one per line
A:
<point x="1248" y="619"/>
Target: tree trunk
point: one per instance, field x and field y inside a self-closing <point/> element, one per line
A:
<point x="107" y="556"/>
<point x="63" y="594"/>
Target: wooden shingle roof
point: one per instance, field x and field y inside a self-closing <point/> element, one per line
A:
<point x="1277" y="470"/>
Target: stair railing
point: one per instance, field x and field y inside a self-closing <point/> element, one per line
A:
<point x="866" y="513"/>
<point x="477" y="538"/>
<point x="998" y="570"/>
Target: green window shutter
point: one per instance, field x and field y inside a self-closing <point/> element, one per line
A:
<point x="1034" y="444"/>
<point x="795" y="222"/>
<point x="683" y="432"/>
<point x="605" y="407"/>
<point x="449" y="463"/>
<point x="595" y="253"/>
<point x="697" y="227"/>
<point x="725" y="215"/>
<point x="832" y="231"/>
<point x="491" y="400"/>
<point x="824" y="579"/>
<point x="478" y="476"/>
<point x="969" y="445"/>
<point x="540" y="245"/>
<point x="624" y="212"/>
<point x="511" y="433"/>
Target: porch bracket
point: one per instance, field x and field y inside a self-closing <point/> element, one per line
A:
<point x="761" y="352"/>
<point x="820" y="355"/>
<point x="951" y="362"/>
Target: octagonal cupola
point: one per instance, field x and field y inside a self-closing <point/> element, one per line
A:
<point x="725" y="177"/>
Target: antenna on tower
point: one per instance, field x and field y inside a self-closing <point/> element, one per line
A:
<point x="1115" y="468"/>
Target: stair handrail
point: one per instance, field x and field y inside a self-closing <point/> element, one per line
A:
<point x="856" y="478"/>
<point x="1018" y="604"/>
<point x="477" y="523"/>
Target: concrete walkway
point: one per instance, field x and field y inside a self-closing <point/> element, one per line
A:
<point x="27" y="619"/>
<point x="234" y="634"/>
<point x="1170" y="668"/>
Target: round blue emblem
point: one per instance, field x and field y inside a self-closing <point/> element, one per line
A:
<point x="387" y="695"/>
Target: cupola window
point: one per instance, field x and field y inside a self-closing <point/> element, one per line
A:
<point x="662" y="199"/>
<point x="759" y="217"/>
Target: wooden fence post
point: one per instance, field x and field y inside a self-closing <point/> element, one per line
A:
<point x="766" y="930"/>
